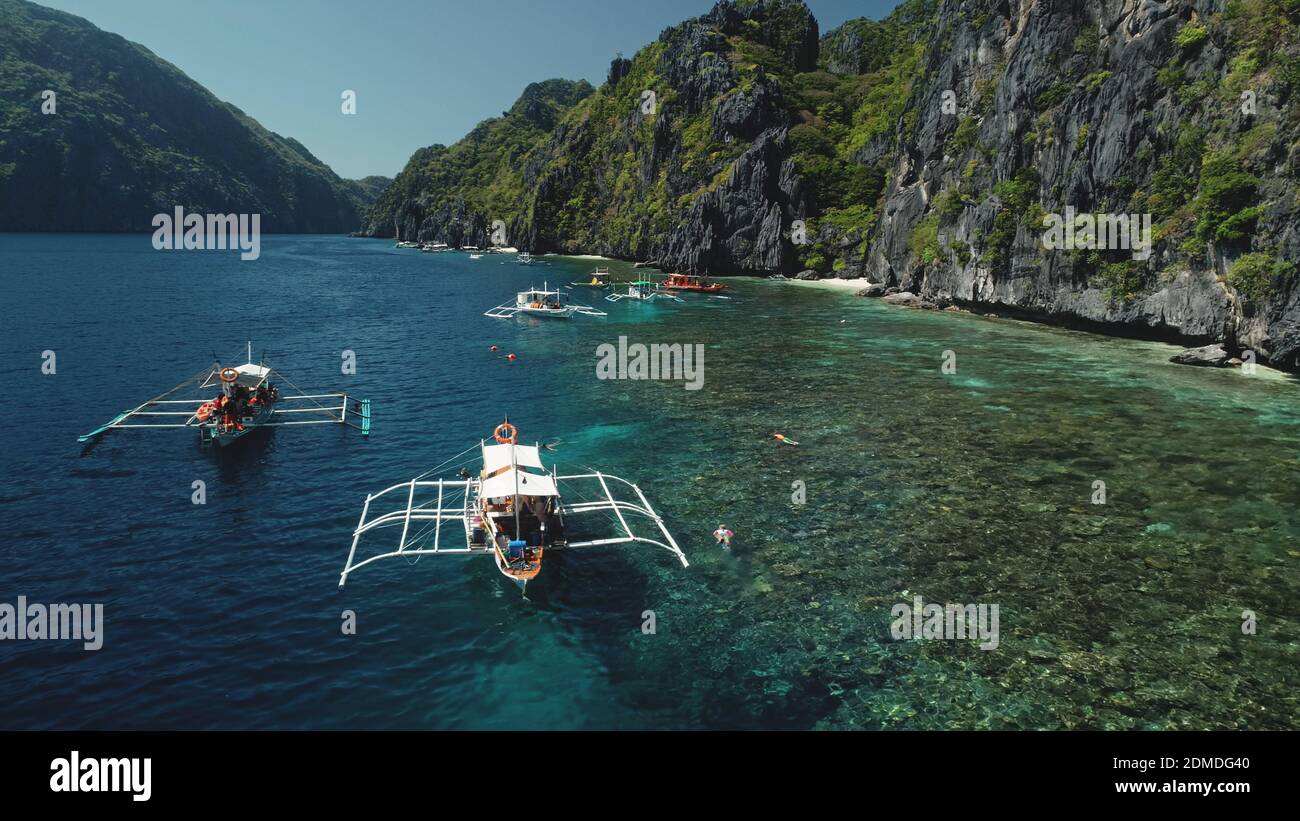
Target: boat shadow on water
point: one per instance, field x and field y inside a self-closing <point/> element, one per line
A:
<point x="245" y="460"/>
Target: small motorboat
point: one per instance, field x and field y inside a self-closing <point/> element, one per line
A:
<point x="600" y="278"/>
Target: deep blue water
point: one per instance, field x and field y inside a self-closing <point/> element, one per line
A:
<point x="969" y="487"/>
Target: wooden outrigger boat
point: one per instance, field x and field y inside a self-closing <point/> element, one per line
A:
<point x="541" y="302"/>
<point x="511" y="510"/>
<point x="247" y="399"/>
<point x="643" y="291"/>
<point x="600" y="278"/>
<point x="525" y="258"/>
<point x="691" y="282"/>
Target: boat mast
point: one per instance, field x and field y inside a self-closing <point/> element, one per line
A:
<point x="514" y="468"/>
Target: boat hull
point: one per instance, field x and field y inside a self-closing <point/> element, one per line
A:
<point x="520" y="576"/>
<point x="212" y="434"/>
<point x="548" y="313"/>
<point x="711" y="289"/>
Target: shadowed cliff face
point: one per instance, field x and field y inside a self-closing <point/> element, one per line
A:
<point x="925" y="151"/>
<point x="454" y="194"/>
<point x="131" y="136"/>
<point x="679" y="156"/>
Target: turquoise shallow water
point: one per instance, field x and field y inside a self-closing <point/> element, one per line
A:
<point x="967" y="487"/>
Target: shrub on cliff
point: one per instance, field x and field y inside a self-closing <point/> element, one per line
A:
<point x="1253" y="275"/>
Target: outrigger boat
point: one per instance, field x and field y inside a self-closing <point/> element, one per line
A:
<point x="541" y="302"/>
<point x="525" y="258"/>
<point x="511" y="510"/>
<point x="644" y="291"/>
<point x="600" y="278"/>
<point x="691" y="282"/>
<point x="247" y="399"/>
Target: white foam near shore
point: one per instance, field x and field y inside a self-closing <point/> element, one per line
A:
<point x="834" y="282"/>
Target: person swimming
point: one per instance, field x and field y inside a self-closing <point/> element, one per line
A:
<point x="723" y="536"/>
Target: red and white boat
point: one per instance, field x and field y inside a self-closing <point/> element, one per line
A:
<point x="691" y="282"/>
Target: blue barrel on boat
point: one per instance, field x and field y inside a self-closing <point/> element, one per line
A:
<point x="517" y="548"/>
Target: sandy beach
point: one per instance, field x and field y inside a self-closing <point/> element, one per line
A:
<point x="834" y="282"/>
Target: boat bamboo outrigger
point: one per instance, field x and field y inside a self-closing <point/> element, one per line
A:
<point x="247" y="399"/>
<point x="541" y="302"/>
<point x="511" y="510"/>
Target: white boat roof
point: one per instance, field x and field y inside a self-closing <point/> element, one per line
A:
<point x="256" y="371"/>
<point x="529" y="484"/>
<point x="250" y="375"/>
<point x="496" y="457"/>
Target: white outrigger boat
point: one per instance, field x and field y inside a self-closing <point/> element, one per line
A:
<point x="642" y="291"/>
<point x="600" y="278"/>
<point x="541" y="302"/>
<point x="525" y="258"/>
<point x="512" y="510"/>
<point x="248" y="399"/>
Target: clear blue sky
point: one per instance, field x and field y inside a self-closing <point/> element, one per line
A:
<point x="425" y="71"/>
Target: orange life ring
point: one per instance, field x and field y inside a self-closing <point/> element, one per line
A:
<point x="228" y="375"/>
<point x="505" y="427"/>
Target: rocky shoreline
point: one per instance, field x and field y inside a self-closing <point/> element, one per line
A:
<point x="1211" y="355"/>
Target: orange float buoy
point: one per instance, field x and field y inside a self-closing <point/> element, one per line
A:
<point x="511" y="357"/>
<point x="493" y="349"/>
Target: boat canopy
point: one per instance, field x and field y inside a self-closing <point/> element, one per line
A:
<point x="496" y="457"/>
<point x="251" y="371"/>
<point x="250" y="375"/>
<point x="518" y="482"/>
